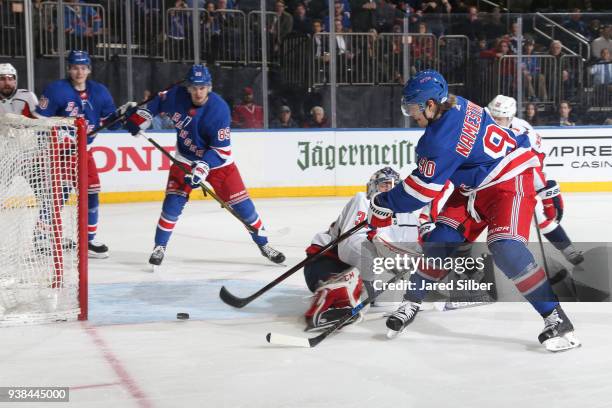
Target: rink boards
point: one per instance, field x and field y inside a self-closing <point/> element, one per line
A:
<point x="303" y="163"/>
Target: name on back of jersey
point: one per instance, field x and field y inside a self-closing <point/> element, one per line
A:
<point x="470" y="129"/>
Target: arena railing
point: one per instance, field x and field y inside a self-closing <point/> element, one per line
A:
<point x="399" y="52"/>
<point x="540" y="78"/>
<point x="145" y="24"/>
<point x="84" y="29"/>
<point x="454" y="60"/>
<point x="598" y="92"/>
<point x="295" y="59"/>
<point x="572" y="42"/>
<point x="273" y="37"/>
<point x="571" y="78"/>
<point x="12" y="29"/>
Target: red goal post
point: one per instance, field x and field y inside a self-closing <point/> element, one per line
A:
<point x="43" y="220"/>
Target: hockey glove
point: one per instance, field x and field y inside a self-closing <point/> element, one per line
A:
<point x="138" y="120"/>
<point x="425" y="229"/>
<point x="118" y="114"/>
<point x="552" y="201"/>
<point x="199" y="172"/>
<point x="379" y="216"/>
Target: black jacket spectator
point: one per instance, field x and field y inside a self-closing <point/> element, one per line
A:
<point x="363" y="15"/>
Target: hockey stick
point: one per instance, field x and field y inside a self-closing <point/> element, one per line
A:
<point x="285" y="340"/>
<point x="537" y="227"/>
<point x="144" y="102"/>
<point x="204" y="187"/>
<point x="239" y="302"/>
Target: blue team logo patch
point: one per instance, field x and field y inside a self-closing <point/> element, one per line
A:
<point x="43" y="102"/>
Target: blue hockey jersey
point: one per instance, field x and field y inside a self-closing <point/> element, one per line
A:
<point x="61" y="99"/>
<point x="203" y="132"/>
<point x="467" y="147"/>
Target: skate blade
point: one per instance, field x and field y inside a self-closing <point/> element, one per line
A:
<point x="566" y="342"/>
<point x="155" y="268"/>
<point x="96" y="255"/>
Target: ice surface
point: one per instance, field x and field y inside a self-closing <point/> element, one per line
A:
<point x="134" y="353"/>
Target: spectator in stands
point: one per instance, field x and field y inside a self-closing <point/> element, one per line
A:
<point x="247" y="115"/>
<point x="423" y="49"/>
<point x="576" y="24"/>
<point x="211" y="34"/>
<point x="302" y="24"/>
<point x="386" y="14"/>
<point x="363" y="15"/>
<point x="224" y="5"/>
<point x="603" y="41"/>
<point x="147" y="25"/>
<point x="505" y="67"/>
<point x="564" y="117"/>
<point x="315" y="9"/>
<point x="472" y="26"/>
<point x="319" y="41"/>
<point x="493" y="26"/>
<point x="532" y="116"/>
<point x="513" y="36"/>
<point x="284" y="119"/>
<point x="281" y="24"/>
<point x="601" y="72"/>
<point x="433" y="11"/>
<point x="178" y="21"/>
<point x="317" y="118"/>
<point x="532" y="73"/>
<point x="594" y="28"/>
<point x="340" y="14"/>
<point x="81" y="25"/>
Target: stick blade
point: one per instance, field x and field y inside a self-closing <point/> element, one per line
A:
<point x="284" y="340"/>
<point x="232" y="300"/>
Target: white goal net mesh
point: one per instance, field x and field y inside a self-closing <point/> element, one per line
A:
<point x="39" y="218"/>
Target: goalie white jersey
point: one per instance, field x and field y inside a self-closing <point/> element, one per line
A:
<point x="22" y="102"/>
<point x="356" y="249"/>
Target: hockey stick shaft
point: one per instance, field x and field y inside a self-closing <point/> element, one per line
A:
<point x="314" y="341"/>
<point x="238" y="302"/>
<point x="204" y="187"/>
<point x="537" y="228"/>
<point x="143" y="102"/>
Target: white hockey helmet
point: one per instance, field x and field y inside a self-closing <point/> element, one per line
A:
<point x="382" y="175"/>
<point x="503" y="107"/>
<point x="8" y="69"/>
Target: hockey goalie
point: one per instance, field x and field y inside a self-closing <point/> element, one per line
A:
<point x="338" y="278"/>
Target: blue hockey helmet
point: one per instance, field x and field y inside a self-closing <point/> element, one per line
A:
<point x="199" y="76"/>
<point x="425" y="85"/>
<point x="381" y="176"/>
<point x="78" y="57"/>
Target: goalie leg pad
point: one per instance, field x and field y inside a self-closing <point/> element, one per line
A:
<point x="322" y="270"/>
<point x="334" y="299"/>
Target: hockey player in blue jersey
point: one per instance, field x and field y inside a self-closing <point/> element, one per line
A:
<point x="492" y="169"/>
<point x="78" y="96"/>
<point x="202" y="121"/>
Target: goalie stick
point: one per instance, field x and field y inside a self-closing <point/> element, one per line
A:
<point x="239" y="302"/>
<point x="286" y="340"/>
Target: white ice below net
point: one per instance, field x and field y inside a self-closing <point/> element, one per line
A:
<point x="27" y="273"/>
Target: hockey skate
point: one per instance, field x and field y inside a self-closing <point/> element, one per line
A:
<point x="558" y="333"/>
<point x="97" y="250"/>
<point x="157" y="256"/>
<point x="401" y="318"/>
<point x="573" y="255"/>
<point x="272" y="254"/>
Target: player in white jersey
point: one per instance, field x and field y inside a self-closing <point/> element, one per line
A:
<point x="337" y="279"/>
<point x="549" y="206"/>
<point x="12" y="99"/>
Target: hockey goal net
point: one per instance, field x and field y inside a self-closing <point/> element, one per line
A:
<point x="43" y="220"/>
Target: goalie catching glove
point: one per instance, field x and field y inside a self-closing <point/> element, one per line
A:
<point x="138" y="120"/>
<point x="552" y="201"/>
<point x="199" y="172"/>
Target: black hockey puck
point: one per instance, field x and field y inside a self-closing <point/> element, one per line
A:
<point x="182" y="316"/>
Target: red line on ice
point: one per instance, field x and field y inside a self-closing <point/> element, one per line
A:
<point x="113" y="360"/>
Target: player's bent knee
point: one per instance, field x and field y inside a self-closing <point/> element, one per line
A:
<point x="173" y="204"/>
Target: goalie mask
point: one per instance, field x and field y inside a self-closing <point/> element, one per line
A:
<point x="385" y="174"/>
